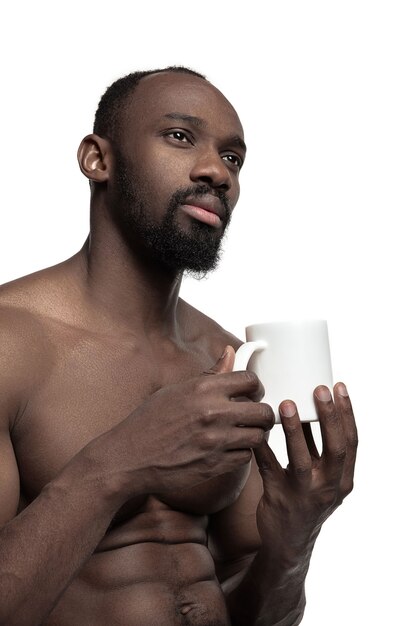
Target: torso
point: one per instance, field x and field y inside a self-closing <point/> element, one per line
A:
<point x="154" y="559"/>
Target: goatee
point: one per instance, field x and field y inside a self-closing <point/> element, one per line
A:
<point x="196" y="251"/>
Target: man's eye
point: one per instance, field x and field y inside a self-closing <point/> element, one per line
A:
<point x="178" y="135"/>
<point x="233" y="159"/>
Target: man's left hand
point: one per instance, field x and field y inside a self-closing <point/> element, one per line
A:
<point x="299" y="498"/>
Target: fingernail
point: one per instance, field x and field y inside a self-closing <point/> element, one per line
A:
<point x="224" y="354"/>
<point x="323" y="394"/>
<point x="288" y="408"/>
<point x="341" y="390"/>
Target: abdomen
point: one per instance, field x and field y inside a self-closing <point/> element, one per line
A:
<point x="148" y="584"/>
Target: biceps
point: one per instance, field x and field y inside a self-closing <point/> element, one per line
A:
<point x="9" y="480"/>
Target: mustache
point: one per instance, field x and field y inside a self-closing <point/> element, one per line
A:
<point x="196" y="191"/>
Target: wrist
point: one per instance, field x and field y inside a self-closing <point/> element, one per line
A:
<point x="95" y="474"/>
<point x="292" y="548"/>
<point x="272" y="592"/>
<point x="121" y="472"/>
<point x="82" y="478"/>
<point x="285" y="560"/>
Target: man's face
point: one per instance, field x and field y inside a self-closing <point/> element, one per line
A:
<point x="176" y="171"/>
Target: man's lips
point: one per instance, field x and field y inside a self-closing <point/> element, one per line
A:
<point x="208" y="209"/>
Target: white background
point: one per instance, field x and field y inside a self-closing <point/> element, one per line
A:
<point x="327" y="94"/>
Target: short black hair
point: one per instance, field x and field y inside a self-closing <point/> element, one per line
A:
<point x="112" y="102"/>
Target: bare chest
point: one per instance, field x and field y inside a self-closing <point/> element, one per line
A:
<point x="87" y="388"/>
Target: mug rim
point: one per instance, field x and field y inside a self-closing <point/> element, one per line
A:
<point x="289" y="322"/>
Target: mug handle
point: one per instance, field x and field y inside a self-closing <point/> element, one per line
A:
<point x="245" y="352"/>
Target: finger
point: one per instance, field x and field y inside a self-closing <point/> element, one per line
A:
<point x="224" y="363"/>
<point x="311" y="444"/>
<point x="332" y="432"/>
<point x="244" y="438"/>
<point x="250" y="414"/>
<point x="299" y="457"/>
<point x="344" y="408"/>
<point x="265" y="458"/>
<point x="269" y="467"/>
<point x="234" y="384"/>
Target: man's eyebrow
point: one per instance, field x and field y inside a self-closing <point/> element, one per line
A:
<point x="183" y="117"/>
<point x="197" y="121"/>
<point x="238" y="141"/>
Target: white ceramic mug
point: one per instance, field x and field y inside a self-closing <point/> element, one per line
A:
<point x="291" y="358"/>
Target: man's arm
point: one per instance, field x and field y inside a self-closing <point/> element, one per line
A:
<point x="267" y="589"/>
<point x="250" y="579"/>
<point x="43" y="548"/>
<point x="197" y="425"/>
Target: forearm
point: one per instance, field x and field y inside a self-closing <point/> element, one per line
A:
<point x="43" y="548"/>
<point x="270" y="593"/>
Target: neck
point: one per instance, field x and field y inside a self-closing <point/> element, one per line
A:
<point x="127" y="287"/>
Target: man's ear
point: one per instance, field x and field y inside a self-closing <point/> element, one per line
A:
<point x="94" y="158"/>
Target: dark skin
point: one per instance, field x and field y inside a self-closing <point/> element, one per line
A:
<point x="130" y="492"/>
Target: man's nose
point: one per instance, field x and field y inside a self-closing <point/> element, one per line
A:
<point x="212" y="169"/>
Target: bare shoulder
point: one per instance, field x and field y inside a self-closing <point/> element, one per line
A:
<point x="205" y="331"/>
<point x="26" y="301"/>
<point x="24" y="342"/>
<point x="37" y="291"/>
<point x="23" y="356"/>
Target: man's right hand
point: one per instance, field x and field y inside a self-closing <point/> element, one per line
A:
<point x="186" y="433"/>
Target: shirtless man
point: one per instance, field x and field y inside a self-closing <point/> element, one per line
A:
<point x="136" y="483"/>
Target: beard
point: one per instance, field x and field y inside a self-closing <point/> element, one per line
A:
<point x="196" y="251"/>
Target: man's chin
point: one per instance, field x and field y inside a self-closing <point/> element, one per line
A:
<point x="196" y="267"/>
<point x="195" y="253"/>
<point x="201" y="272"/>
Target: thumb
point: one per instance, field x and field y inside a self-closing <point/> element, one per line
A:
<point x="224" y="363"/>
